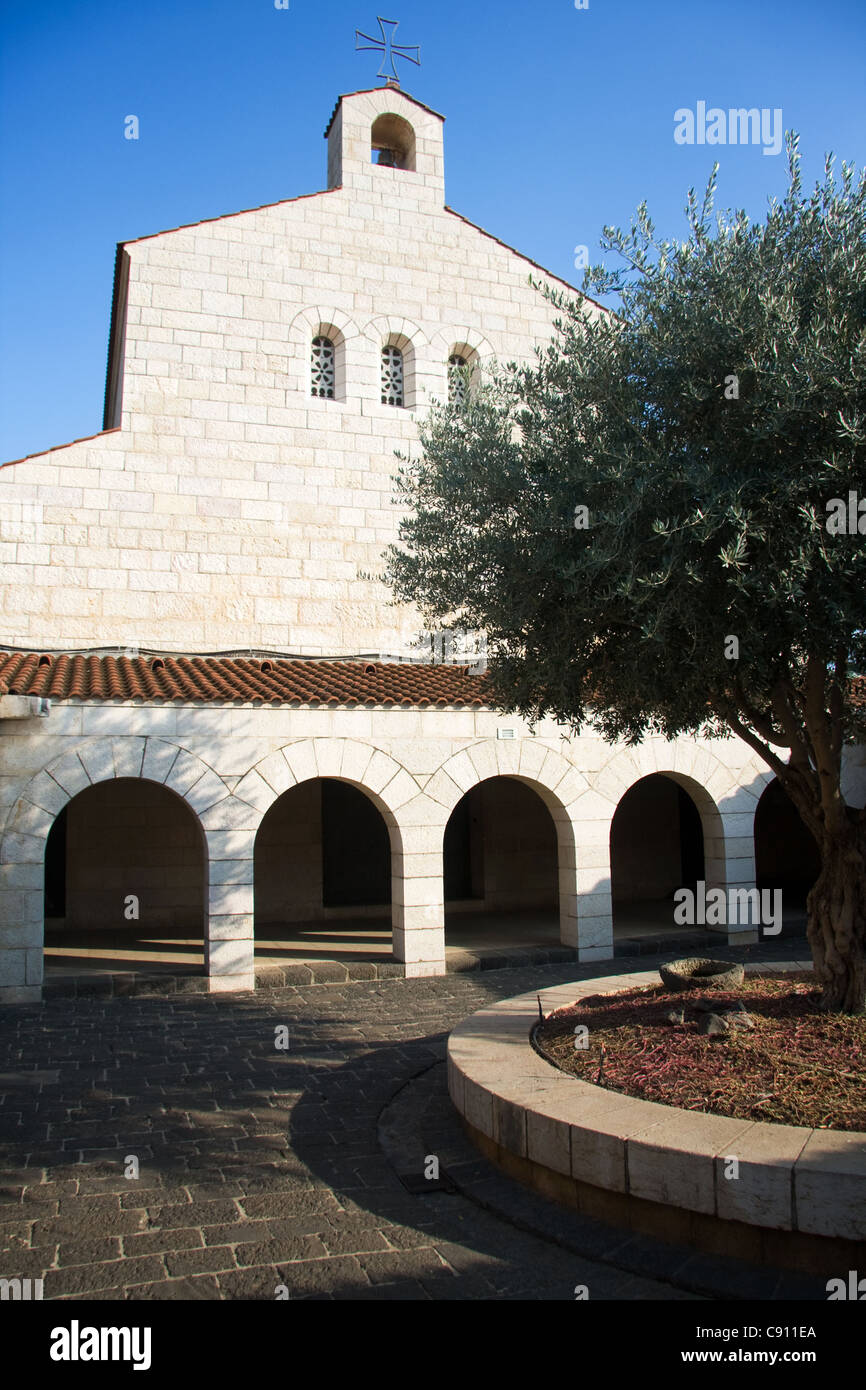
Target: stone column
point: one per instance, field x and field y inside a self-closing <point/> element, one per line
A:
<point x="229" y="945"/>
<point x="592" y="931"/>
<point x="22" y="900"/>
<point x="738" y="868"/>
<point x="417" y="889"/>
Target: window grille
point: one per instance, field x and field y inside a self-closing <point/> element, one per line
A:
<point x="392" y="376"/>
<point x="322" y="368"/>
<point x="456" y="379"/>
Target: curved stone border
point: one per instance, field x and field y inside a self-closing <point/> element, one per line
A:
<point x="791" y="1179"/>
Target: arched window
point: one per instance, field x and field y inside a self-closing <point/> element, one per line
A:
<point x="457" y="387"/>
<point x="392" y="376"/>
<point x="323" y="368"/>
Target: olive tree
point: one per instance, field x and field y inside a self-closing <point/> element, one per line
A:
<point x="660" y="523"/>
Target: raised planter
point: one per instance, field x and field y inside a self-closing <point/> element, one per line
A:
<point x="779" y="1194"/>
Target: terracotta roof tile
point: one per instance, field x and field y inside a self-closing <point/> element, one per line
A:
<point x="224" y="680"/>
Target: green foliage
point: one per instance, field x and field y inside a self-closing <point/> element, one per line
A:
<point x="707" y="513"/>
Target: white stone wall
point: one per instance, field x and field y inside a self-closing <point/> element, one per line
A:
<point x="231" y="509"/>
<point x="231" y="764"/>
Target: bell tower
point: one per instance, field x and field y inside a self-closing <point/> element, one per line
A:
<point x="383" y="140"/>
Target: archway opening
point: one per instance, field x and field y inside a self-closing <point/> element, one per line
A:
<point x="656" y="847"/>
<point x="500" y="864"/>
<point x="125" y="883"/>
<point x="323" y="875"/>
<point x="392" y="142"/>
<point x="786" y="854"/>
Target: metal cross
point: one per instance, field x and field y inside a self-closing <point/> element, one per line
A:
<point x="389" y="49"/>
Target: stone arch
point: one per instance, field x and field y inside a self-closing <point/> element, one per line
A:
<point x="380" y="777"/>
<point x="787" y="857"/>
<point x="555" y="780"/>
<point x="384" y="780"/>
<point x="330" y="322"/>
<point x="451" y="338"/>
<point x="29" y="821"/>
<point x="393" y="138"/>
<point x="388" y="330"/>
<point x="624" y="770"/>
<point x="725" y="796"/>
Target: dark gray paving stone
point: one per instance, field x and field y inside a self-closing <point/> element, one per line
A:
<point x="252" y="1155"/>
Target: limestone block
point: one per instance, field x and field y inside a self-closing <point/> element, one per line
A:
<point x="532" y="756"/>
<point x="548" y="1136"/>
<point x="207" y="791"/>
<point x="230" y="898"/>
<point x="28" y="934"/>
<point x="591" y="809"/>
<point x="21" y="907"/>
<point x="185" y="772"/>
<point x="672" y="1159"/>
<point x="462" y="770"/>
<point x="420" y="942"/>
<point x="230" y="814"/>
<point x="231" y="871"/>
<point x="301" y="759"/>
<point x="158" y="759"/>
<point x="414" y="891"/>
<point x="230" y="957"/>
<point x="478" y="1106"/>
<point x="18" y="876"/>
<point x="419" y="970"/>
<point x="600" y="1123"/>
<point x="13" y="967"/>
<point x="230" y="926"/>
<point x="483" y="759"/>
<point x="355" y="761"/>
<point x="456" y="1086"/>
<point x="22" y="849"/>
<point x="254" y="790"/>
<point x="759" y="1188"/>
<point x="97" y="759"/>
<point x="830" y="1183"/>
<point x="27" y="819"/>
<point x="380" y="771"/>
<point x="594" y="932"/>
<point x="46" y="792"/>
<point x="594" y="953"/>
<point x="227" y="845"/>
<point x="401" y="789"/>
<point x="230" y="984"/>
<point x="128" y="754"/>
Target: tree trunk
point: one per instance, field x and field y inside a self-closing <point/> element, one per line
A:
<point x="837" y="921"/>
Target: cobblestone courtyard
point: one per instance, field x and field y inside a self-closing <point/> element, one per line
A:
<point x="261" y="1167"/>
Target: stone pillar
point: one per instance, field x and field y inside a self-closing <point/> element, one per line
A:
<point x="21" y="932"/>
<point x="738" y="849"/>
<point x="591" y="930"/>
<point x="22" y="903"/>
<point x="229" y="945"/>
<point x="418" y="890"/>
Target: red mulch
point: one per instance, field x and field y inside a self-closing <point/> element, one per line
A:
<point x="797" y="1067"/>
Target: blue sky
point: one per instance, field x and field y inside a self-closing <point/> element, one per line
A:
<point x="558" y="121"/>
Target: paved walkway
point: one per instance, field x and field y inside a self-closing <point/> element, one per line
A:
<point x="258" y="1166"/>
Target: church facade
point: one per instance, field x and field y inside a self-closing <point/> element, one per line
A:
<point x="208" y="705"/>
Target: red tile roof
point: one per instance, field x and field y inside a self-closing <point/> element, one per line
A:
<point x="241" y="680"/>
<point x="115" y="429"/>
